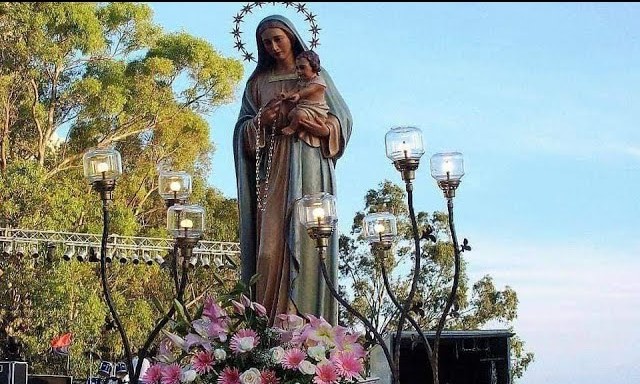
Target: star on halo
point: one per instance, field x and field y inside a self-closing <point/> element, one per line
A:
<point x="249" y="7"/>
<point x="248" y="57"/>
<point x="314" y="29"/>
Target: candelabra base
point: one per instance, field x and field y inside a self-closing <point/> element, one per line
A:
<point x="449" y="187"/>
<point x="171" y="202"/>
<point x="187" y="242"/>
<point x="105" y="188"/>
<point x="321" y="234"/>
<point x="407" y="168"/>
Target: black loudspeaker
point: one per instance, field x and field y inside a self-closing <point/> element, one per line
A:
<point x="50" y="379"/>
<point x="13" y="372"/>
<point x="465" y="357"/>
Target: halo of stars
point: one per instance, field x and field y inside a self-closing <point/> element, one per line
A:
<point x="249" y="7"/>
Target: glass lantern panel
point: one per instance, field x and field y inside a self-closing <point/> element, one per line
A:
<point x="317" y="210"/>
<point x="379" y="226"/>
<point x="174" y="185"/>
<point x="403" y="143"/>
<point x="102" y="164"/>
<point x="185" y="221"/>
<point x="447" y="166"/>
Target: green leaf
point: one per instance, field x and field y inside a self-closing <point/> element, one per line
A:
<point x="156" y="302"/>
<point x="180" y="310"/>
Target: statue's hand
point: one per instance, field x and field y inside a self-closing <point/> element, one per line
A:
<point x="270" y="113"/>
<point x="317" y="126"/>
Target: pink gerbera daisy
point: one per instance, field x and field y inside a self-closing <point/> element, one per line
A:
<point x="153" y="374"/>
<point x="325" y="374"/>
<point x="244" y="341"/>
<point x="229" y="376"/>
<point x="202" y="361"/>
<point x="293" y="357"/>
<point x="347" y="364"/>
<point x="269" y="377"/>
<point x="171" y="374"/>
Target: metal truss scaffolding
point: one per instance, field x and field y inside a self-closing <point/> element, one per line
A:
<point x="78" y="246"/>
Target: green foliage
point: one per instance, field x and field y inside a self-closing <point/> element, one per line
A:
<point x="474" y="306"/>
<point x="80" y="75"/>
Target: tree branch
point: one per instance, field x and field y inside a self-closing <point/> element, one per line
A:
<point x="36" y="95"/>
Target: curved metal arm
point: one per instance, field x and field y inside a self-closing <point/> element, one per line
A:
<point x="174" y="268"/>
<point x="357" y="314"/>
<point x="105" y="286"/>
<point x="186" y="250"/>
<point x="416" y="271"/>
<point x="413" y="322"/>
<point x="144" y="351"/>
<point x="454" y="286"/>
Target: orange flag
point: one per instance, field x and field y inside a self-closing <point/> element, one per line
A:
<point x="60" y="344"/>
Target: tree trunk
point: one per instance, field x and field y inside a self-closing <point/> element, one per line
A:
<point x="36" y="95"/>
<point x="4" y="140"/>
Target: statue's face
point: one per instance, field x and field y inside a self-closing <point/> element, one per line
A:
<point x="303" y="69"/>
<point x="276" y="43"/>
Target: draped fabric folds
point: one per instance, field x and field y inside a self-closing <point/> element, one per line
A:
<point x="273" y="242"/>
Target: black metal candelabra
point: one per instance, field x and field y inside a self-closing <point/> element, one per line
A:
<point x="102" y="167"/>
<point x="183" y="246"/>
<point x="105" y="188"/>
<point x="322" y="231"/>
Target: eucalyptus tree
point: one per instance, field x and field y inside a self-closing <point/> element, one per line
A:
<point x="79" y="75"/>
<point x="476" y="304"/>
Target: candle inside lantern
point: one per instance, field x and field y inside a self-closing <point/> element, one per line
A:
<point x="102" y="167"/>
<point x="318" y="214"/>
<point x="186" y="223"/>
<point x="378" y="228"/>
<point x="404" y="147"/>
<point x="447" y="166"/>
<point x="175" y="186"/>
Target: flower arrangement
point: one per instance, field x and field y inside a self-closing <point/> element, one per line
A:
<point x="232" y="343"/>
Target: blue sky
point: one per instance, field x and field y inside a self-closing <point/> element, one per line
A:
<point x="543" y="100"/>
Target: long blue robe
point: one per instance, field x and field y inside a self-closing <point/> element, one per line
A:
<point x="274" y="243"/>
